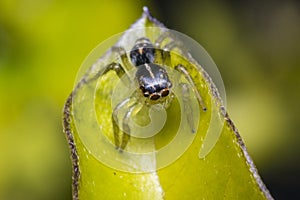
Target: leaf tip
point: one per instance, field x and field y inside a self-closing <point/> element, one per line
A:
<point x="146" y="11"/>
<point x="149" y="18"/>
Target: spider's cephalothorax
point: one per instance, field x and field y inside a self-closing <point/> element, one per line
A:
<point x="153" y="79"/>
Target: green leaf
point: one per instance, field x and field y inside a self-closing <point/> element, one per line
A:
<point x="222" y="170"/>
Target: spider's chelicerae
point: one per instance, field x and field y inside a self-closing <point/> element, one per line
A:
<point x="154" y="84"/>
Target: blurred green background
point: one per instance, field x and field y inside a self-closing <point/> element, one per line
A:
<point x="255" y="44"/>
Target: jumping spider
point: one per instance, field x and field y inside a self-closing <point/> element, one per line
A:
<point x="153" y="81"/>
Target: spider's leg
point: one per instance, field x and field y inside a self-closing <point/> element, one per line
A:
<point x="130" y="106"/>
<point x="114" y="119"/>
<point x="165" y="35"/>
<point x="186" y="74"/>
<point x="166" y="57"/>
<point x="164" y="50"/>
<point x="121" y="73"/>
<point x="168" y="101"/>
<point x="126" y="128"/>
<point x="122" y="52"/>
<point x="161" y="52"/>
<point x="187" y="105"/>
<point x="173" y="42"/>
<point x="117" y="67"/>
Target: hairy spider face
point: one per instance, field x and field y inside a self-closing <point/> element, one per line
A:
<point x="153" y="81"/>
<point x="143" y="52"/>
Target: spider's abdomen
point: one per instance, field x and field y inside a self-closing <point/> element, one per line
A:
<point x="153" y="81"/>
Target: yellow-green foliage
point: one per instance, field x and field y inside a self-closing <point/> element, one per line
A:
<point x="227" y="172"/>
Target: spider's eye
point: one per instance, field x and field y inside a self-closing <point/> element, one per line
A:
<point x="145" y="92"/>
<point x="154" y="97"/>
<point x="165" y="92"/>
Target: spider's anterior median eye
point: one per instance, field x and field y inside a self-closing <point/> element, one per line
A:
<point x="154" y="96"/>
<point x="164" y="92"/>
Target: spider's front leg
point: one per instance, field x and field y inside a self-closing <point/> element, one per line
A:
<point x="115" y="121"/>
<point x="126" y="128"/>
<point x="131" y="108"/>
<point x="121" y="73"/>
